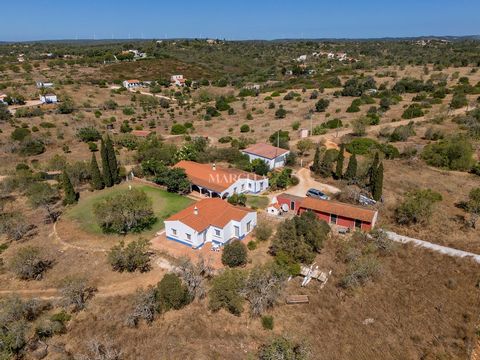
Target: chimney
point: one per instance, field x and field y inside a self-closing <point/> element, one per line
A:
<point x="195" y="210"/>
<point x="214" y="167"/>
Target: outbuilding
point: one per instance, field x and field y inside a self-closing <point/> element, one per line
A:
<point x="275" y="157"/>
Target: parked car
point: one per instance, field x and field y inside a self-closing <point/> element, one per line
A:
<point x="314" y="193"/>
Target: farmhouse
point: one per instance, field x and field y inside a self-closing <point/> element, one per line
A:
<point x="48" y="99"/>
<point x="217" y="181"/>
<point x="177" y="80"/>
<point x="275" y="157"/>
<point x="340" y="214"/>
<point x="131" y="83"/>
<point x="41" y="84"/>
<point x="210" y="220"/>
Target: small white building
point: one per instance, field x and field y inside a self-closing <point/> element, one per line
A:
<point x="302" y="58"/>
<point x="2" y="99"/>
<point x="41" y="84"/>
<point x="177" y="80"/>
<point x="129" y="84"/>
<point x="330" y="55"/>
<point x="275" y="157"/>
<point x="48" y="99"/>
<point x="210" y="220"/>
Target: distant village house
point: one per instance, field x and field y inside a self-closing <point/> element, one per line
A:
<point x="177" y="80"/>
<point x="48" y="99"/>
<point x="129" y="84"/>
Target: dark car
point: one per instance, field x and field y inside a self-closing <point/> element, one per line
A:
<point x="314" y="193"/>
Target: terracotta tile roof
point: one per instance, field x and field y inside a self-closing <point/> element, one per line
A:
<point x="218" y="180"/>
<point x="265" y="150"/>
<point x="338" y="208"/>
<point x="211" y="212"/>
<point x="141" y="133"/>
<point x="290" y="197"/>
<point x="133" y="81"/>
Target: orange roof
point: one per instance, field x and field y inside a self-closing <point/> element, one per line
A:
<point x="133" y="81"/>
<point x="218" y="179"/>
<point x="211" y="212"/>
<point x="142" y="133"/>
<point x="338" y="208"/>
<point x="265" y="150"/>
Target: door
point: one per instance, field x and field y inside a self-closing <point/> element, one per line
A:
<point x="358" y="224"/>
<point x="237" y="231"/>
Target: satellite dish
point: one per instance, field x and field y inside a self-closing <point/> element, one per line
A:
<point x="285" y="207"/>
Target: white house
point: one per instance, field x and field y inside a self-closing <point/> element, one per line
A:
<point x="210" y="220"/>
<point x="48" y="99"/>
<point x="128" y="84"/>
<point x="218" y="181"/>
<point x="302" y="58"/>
<point x="274" y="156"/>
<point x="177" y="80"/>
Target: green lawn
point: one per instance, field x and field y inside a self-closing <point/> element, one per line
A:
<point x="164" y="205"/>
<point x="258" y="202"/>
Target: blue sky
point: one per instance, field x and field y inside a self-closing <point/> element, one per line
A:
<point x="241" y="19"/>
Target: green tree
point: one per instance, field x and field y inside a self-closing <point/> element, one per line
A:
<point x="107" y="175"/>
<point x="234" y="254"/>
<point x="283" y="348"/>
<point x="316" y="161"/>
<point x="351" y="173"/>
<point x="417" y="207"/>
<point x="29" y="263"/>
<point x="340" y="160"/>
<point x="70" y="196"/>
<point x="171" y="293"/>
<point x="96" y="179"/>
<point x="259" y="167"/>
<point x="226" y="291"/>
<point x="321" y="105"/>
<point x="377" y="189"/>
<point x="134" y="256"/>
<point x="43" y="195"/>
<point x="112" y="161"/>
<point x="372" y="171"/>
<point x="127" y="211"/>
<point x="473" y="206"/>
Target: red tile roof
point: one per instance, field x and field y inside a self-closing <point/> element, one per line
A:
<point x="211" y="212"/>
<point x="133" y="81"/>
<point x="218" y="180"/>
<point x="338" y="208"/>
<point x="265" y="150"/>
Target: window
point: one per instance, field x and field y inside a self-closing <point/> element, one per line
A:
<point x="292" y="205"/>
<point x="243" y="187"/>
<point x="189" y="236"/>
<point x="237" y="231"/>
<point x="249" y="185"/>
<point x="333" y="219"/>
<point x="248" y="225"/>
<point x="217" y="232"/>
<point x="174" y="231"/>
<point x="234" y="190"/>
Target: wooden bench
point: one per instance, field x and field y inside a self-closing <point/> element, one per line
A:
<point x="297" y="299"/>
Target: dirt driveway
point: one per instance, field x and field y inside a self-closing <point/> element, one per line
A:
<point x="306" y="181"/>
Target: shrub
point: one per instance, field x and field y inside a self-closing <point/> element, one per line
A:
<point x="225" y="139"/>
<point x="29" y="263"/>
<point x="458" y="101"/>
<point x="88" y="134"/>
<point x="128" y="111"/>
<point x="360" y="271"/>
<point x="47" y="125"/>
<point x="322" y="105"/>
<point x="76" y="292"/>
<point x="234" y="254"/>
<point x="402" y="132"/>
<point x="362" y="146"/>
<point x="332" y="124"/>
<point x="127" y="211"/>
<point x="135" y="256"/>
<point x="263" y="231"/>
<point x="226" y="290"/>
<point x="454" y="153"/>
<point x="238" y="199"/>
<point x="416" y="207"/>
<point x="283" y="348"/>
<point x="178" y="129"/>
<point x="413" y="111"/>
<point x="19" y="134"/>
<point x="31" y="147"/>
<point x="252" y="245"/>
<point x="171" y="293"/>
<point x="267" y="322"/>
<point x="280" y="113"/>
<point x="244" y="128"/>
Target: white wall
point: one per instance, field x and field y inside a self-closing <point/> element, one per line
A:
<point x="182" y="230"/>
<point x="255" y="186"/>
<point x="279" y="161"/>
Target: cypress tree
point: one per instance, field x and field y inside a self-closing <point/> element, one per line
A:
<point x="107" y="175"/>
<point x="378" y="185"/>
<point x="70" y="196"/>
<point x="316" y="161"/>
<point x="351" y="172"/>
<point x="112" y="161"/>
<point x="372" y="171"/>
<point x="340" y="159"/>
<point x="96" y="178"/>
